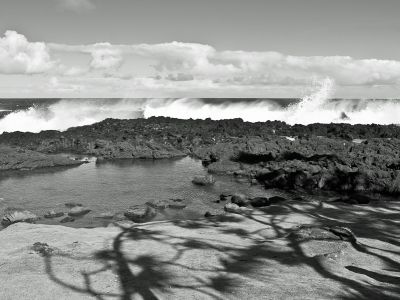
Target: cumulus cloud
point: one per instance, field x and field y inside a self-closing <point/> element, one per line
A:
<point x="19" y="56"/>
<point x="104" y="56"/>
<point x="189" y="67"/>
<point x="76" y="5"/>
<point x="189" y="61"/>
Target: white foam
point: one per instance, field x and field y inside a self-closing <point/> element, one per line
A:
<point x="313" y="108"/>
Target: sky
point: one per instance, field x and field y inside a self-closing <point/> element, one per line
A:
<point x="193" y="48"/>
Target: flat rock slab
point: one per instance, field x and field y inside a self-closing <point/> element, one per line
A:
<point x="16" y="158"/>
<point x="232" y="257"/>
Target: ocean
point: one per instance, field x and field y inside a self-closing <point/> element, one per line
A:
<point x="35" y="115"/>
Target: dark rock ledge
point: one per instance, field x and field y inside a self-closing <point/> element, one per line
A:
<point x="334" y="157"/>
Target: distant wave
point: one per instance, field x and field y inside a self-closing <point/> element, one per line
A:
<point x="317" y="107"/>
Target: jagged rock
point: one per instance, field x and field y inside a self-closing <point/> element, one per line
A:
<point x="53" y="214"/>
<point x="204" y="180"/>
<point x="78" y="211"/>
<point x="140" y="213"/>
<point x="260" y="202"/>
<point x="395" y="186"/>
<point x="322" y="156"/>
<point x="18" y="216"/>
<point x="240" y="199"/>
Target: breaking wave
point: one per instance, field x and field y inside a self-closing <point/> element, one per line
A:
<point x="316" y="107"/>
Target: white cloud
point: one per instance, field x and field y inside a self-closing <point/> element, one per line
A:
<point x="104" y="56"/>
<point x="197" y="61"/>
<point x="77" y="5"/>
<point x="19" y="56"/>
<point x="190" y="68"/>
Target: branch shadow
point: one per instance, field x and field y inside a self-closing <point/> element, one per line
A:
<point x="148" y="276"/>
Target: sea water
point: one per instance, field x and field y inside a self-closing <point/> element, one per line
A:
<point x="112" y="187"/>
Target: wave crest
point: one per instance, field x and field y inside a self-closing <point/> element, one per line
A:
<point x="317" y="107"/>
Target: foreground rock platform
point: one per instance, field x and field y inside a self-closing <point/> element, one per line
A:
<point x="287" y="251"/>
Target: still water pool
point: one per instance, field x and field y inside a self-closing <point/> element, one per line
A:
<point x="114" y="186"/>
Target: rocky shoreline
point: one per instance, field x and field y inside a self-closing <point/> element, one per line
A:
<point x="275" y="246"/>
<point x="331" y="157"/>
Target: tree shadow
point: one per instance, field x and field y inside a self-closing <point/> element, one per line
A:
<point x="237" y="262"/>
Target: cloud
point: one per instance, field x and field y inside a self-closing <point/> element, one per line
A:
<point x="19" y="56"/>
<point x="189" y="67"/>
<point x="104" y="56"/>
<point x="76" y="5"/>
<point x="190" y="61"/>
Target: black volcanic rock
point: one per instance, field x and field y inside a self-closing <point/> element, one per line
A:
<point x="16" y="158"/>
<point x="320" y="157"/>
<point x="260" y="202"/>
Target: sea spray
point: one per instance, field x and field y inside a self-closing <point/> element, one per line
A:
<point x="316" y="107"/>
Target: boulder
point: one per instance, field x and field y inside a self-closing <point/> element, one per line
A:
<point x="105" y="215"/>
<point x="240" y="199"/>
<point x="67" y="219"/>
<point x="277" y="199"/>
<point x="140" y="213"/>
<point x="260" y="202"/>
<point x="52" y="214"/>
<point x="236" y="209"/>
<point x="176" y="204"/>
<point x="78" y="211"/>
<point x="18" y="216"/>
<point x="362" y="199"/>
<point x="119" y="217"/>
<point x="208" y="214"/>
<point x="72" y="204"/>
<point x="224" y="196"/>
<point x="204" y="180"/>
<point x="158" y="204"/>
<point x="170" y="203"/>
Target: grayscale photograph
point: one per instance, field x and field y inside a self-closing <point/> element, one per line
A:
<point x="199" y="149"/>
